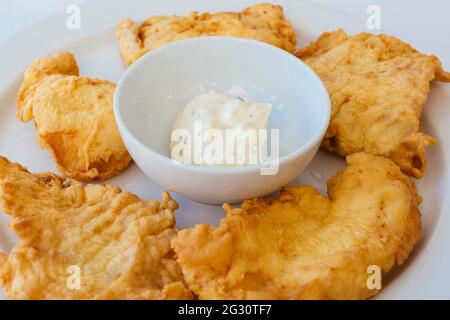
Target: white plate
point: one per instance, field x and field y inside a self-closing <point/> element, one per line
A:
<point x="426" y="273"/>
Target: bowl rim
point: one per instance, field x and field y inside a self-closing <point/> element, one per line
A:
<point x="123" y="128"/>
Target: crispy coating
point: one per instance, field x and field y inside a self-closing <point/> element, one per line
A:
<point x="117" y="243"/>
<point x="74" y="118"/>
<point x="378" y="86"/>
<point x="264" y="22"/>
<point x="304" y="245"/>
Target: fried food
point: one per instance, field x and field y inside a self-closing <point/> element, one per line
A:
<point x="378" y="86"/>
<point x="264" y="22"/>
<point x="117" y="244"/>
<point x="304" y="245"/>
<point x="74" y="118"/>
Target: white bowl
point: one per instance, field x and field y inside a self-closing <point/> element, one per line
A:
<point x="155" y="89"/>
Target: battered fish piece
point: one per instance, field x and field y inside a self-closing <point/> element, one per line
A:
<point x="264" y="22"/>
<point x="118" y="244"/>
<point x="304" y="245"/>
<point x="378" y="86"/>
<point x="74" y="118"/>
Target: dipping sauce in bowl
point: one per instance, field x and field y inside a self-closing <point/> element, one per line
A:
<point x="157" y="92"/>
<point x="219" y="129"/>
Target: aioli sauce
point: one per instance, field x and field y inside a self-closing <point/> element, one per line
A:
<point x="221" y="112"/>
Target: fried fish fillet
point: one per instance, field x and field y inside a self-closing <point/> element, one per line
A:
<point x="86" y="242"/>
<point x="304" y="245"/>
<point x="264" y="22"/>
<point x="378" y="86"/>
<point x="74" y="118"/>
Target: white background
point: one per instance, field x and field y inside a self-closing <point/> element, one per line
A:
<point x="424" y="23"/>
